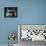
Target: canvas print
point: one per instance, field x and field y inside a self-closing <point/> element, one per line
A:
<point x="33" y="32"/>
<point x="10" y="12"/>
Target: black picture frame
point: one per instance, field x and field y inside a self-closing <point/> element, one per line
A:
<point x="10" y="12"/>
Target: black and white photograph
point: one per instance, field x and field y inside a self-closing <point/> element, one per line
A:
<point x="10" y="12"/>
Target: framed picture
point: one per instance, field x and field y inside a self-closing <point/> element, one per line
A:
<point x="33" y="32"/>
<point x="10" y="12"/>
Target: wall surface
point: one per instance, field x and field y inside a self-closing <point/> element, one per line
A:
<point x="29" y="12"/>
